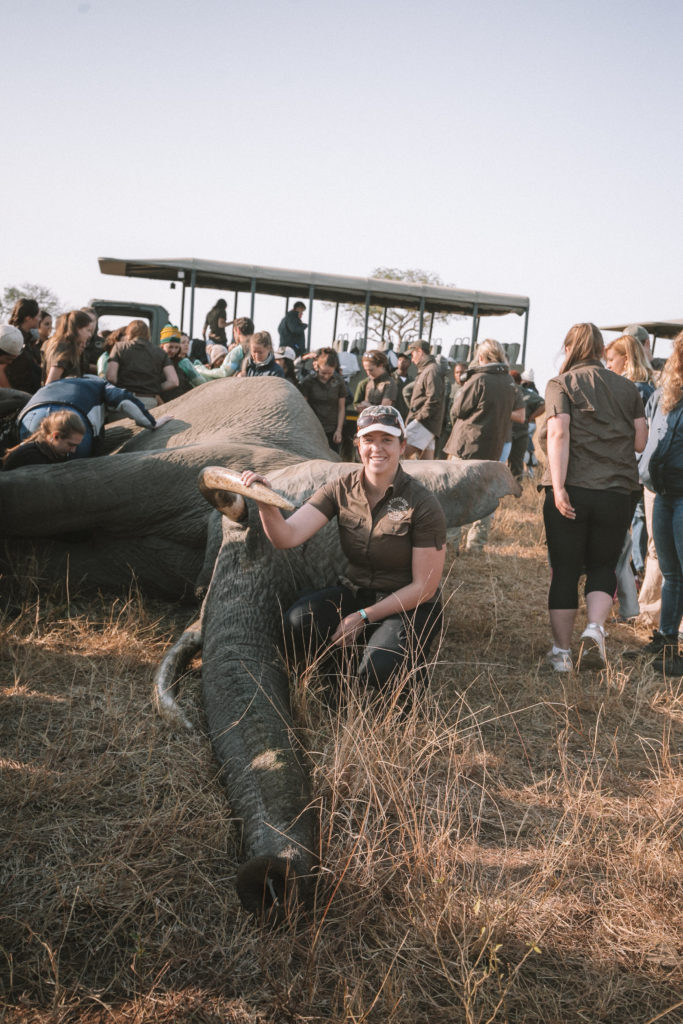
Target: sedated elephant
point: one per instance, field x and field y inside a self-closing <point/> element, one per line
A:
<point x="139" y="512"/>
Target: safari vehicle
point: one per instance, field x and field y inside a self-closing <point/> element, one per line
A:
<point x="155" y="316"/>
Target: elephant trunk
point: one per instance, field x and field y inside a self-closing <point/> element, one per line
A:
<point x="246" y="696"/>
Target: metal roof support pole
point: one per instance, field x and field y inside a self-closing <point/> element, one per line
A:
<point x="182" y="306"/>
<point x="422" y="314"/>
<point x="234" y="306"/>
<point x="334" y="328"/>
<point x="287" y="305"/>
<point x="193" y="285"/>
<point x="311" y="294"/>
<point x="367" y="318"/>
<point x="384" y="323"/>
<point x="253" y="297"/>
<point x="526" y="328"/>
<point x="431" y="327"/>
<point x="475" y="330"/>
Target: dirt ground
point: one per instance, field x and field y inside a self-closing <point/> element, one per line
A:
<point x="509" y="850"/>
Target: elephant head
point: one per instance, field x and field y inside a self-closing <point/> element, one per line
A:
<point x="139" y="512"/>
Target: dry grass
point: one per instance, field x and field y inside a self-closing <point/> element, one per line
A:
<point x="509" y="850"/>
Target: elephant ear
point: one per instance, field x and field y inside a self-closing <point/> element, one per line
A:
<point x="467" y="490"/>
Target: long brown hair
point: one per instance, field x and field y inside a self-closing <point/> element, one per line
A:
<point x="583" y="341"/>
<point x="64" y="342"/>
<point x="672" y="376"/>
<point x="63" y="422"/>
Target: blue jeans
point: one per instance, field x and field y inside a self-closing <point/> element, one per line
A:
<point x="667" y="530"/>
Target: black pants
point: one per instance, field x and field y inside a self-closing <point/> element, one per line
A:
<point x="380" y="649"/>
<point x="591" y="543"/>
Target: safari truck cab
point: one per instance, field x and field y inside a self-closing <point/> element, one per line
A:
<point x="155" y="316"/>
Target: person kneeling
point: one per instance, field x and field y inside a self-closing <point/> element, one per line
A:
<point x="393" y="533"/>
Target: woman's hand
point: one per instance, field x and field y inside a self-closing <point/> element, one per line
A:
<point x="563" y="504"/>
<point x="249" y="478"/>
<point x="348" y="629"/>
<point x="163" y="419"/>
<point x="337" y="436"/>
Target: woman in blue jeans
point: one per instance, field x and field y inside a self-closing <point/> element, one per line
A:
<point x="661" y="468"/>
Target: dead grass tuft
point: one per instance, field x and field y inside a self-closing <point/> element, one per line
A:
<point x="506" y="850"/>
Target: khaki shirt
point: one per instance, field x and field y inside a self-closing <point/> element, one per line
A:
<point x="141" y="366"/>
<point x="323" y="398"/>
<point x="383" y="386"/>
<point x="602" y="407"/>
<point x="379" y="543"/>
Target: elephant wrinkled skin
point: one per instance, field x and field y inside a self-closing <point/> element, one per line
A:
<point x="138" y="512"/>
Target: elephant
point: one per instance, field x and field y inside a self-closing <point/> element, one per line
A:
<point x="141" y="512"/>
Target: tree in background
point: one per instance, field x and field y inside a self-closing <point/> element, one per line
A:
<point x="401" y="325"/>
<point x="45" y="298"/>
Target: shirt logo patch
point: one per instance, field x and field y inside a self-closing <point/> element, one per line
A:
<point x="397" y="508"/>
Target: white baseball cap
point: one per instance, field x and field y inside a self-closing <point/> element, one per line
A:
<point x="11" y="340"/>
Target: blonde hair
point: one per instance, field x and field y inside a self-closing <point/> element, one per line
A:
<point x="672" y="376"/>
<point x="638" y="366"/>
<point x="583" y="341"/>
<point x="491" y="351"/>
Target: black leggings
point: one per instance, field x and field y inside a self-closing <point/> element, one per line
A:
<point x="591" y="543"/>
<point x="382" y="647"/>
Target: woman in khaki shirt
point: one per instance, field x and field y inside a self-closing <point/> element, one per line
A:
<point x="393" y="533"/>
<point x="595" y="424"/>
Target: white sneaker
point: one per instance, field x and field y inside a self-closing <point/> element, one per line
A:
<point x="592" y="651"/>
<point x="561" y="661"/>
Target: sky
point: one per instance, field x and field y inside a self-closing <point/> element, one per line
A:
<point x="532" y="148"/>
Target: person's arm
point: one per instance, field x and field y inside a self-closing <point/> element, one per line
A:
<point x="54" y="373"/>
<point x="341" y="416"/>
<point x="427" y="569"/>
<point x="285" y="533"/>
<point x="641" y="433"/>
<point x="170" y="380"/>
<point x="538" y="411"/>
<point x="517" y="415"/>
<point x="112" y="371"/>
<point x="558" y="461"/>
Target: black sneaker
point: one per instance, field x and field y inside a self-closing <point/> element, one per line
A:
<point x="657" y="645"/>
<point x="669" y="663"/>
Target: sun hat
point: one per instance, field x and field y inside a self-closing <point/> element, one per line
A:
<point x="381" y="417"/>
<point x="169" y="333"/>
<point x="285" y="353"/>
<point x="11" y="340"/>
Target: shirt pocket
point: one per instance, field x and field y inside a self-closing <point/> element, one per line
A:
<point x="395" y="527"/>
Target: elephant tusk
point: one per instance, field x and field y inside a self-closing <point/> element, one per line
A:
<point x="166" y="675"/>
<point x="214" y="479"/>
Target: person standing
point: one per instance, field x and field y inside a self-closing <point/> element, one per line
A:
<point x="215" y="323"/>
<point x="595" y="424"/>
<point x="25" y="372"/>
<point x="661" y="470"/>
<point x="481" y="414"/>
<point x="325" y="392"/>
<point x="292" y="329"/>
<point x="425" y="414"/>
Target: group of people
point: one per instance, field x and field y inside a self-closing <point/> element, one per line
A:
<point x="614" y="438"/>
<point x="595" y="426"/>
